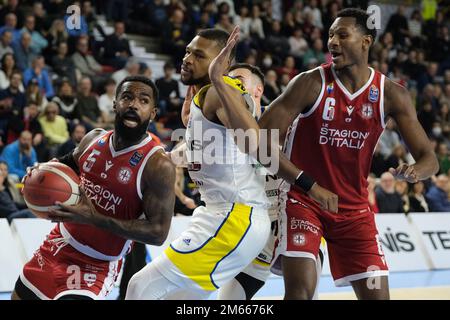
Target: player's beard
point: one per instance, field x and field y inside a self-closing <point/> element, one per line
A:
<point x="191" y="81"/>
<point x="127" y="133"/>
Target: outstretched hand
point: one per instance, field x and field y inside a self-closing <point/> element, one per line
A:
<point x="219" y="66"/>
<point x="405" y="172"/>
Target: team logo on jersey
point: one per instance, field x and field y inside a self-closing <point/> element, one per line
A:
<point x="124" y="175"/>
<point x="350" y="110"/>
<point x="330" y="88"/>
<point x="187" y="241"/>
<point x="367" y="111"/>
<point x="90" y="279"/>
<point x="373" y="93"/>
<point x="136" y="158"/>
<point x="299" y="239"/>
<point x="102" y="141"/>
<point x="108" y="165"/>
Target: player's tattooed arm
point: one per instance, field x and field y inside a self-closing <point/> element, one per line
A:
<point x="399" y="106"/>
<point x="158" y="190"/>
<point x="158" y="181"/>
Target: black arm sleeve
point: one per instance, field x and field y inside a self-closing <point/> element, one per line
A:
<point x="69" y="161"/>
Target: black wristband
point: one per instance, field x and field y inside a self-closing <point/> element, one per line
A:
<point x="304" y="181"/>
<point x="68" y="160"/>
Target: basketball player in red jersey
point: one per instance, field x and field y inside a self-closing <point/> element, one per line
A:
<point x="338" y="112"/>
<point x="127" y="195"/>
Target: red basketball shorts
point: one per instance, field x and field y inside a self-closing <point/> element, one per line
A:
<point x="354" y="247"/>
<point x="57" y="269"/>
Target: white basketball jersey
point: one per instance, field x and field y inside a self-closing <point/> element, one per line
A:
<point x="219" y="169"/>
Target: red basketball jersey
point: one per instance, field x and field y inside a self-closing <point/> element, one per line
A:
<point x="334" y="140"/>
<point x="112" y="180"/>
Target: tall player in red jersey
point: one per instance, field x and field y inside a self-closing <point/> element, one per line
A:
<point x="338" y="112"/>
<point x="127" y="195"/>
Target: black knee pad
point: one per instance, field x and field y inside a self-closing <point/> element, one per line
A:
<point x="251" y="285"/>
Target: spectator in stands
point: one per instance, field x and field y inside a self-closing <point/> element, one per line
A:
<point x="63" y="66"/>
<point x="398" y="25"/>
<point x="427" y="116"/>
<point x="9" y="209"/>
<point x="314" y="54"/>
<point x="437" y="195"/>
<point x="11" y="25"/>
<point x="378" y="162"/>
<point x="157" y="13"/>
<point x="23" y="52"/>
<point x="417" y="200"/>
<point x="67" y="101"/>
<point x="169" y="91"/>
<point x="10" y="185"/>
<point x="78" y="132"/>
<point x="256" y="25"/>
<point x="443" y="157"/>
<point x="54" y="127"/>
<point x="12" y="6"/>
<point x="7" y="68"/>
<point x="131" y="69"/>
<point x="389" y="139"/>
<point x="315" y="12"/>
<point x="275" y="42"/>
<point x="84" y="61"/>
<point x="38" y="42"/>
<point x="34" y="94"/>
<point x="298" y="45"/>
<point x="39" y="72"/>
<point x="415" y="29"/>
<point x="105" y="102"/>
<point x="5" y="43"/>
<point x="224" y="23"/>
<point x="403" y="190"/>
<point x="425" y="81"/>
<point x="117" y="47"/>
<point x="40" y="17"/>
<point x="388" y="200"/>
<point x="175" y="36"/>
<point x="371" y="185"/>
<point x="20" y="154"/>
<point x="87" y="105"/>
<point x="11" y="98"/>
<point x="29" y="121"/>
<point x="288" y="68"/>
<point x="397" y="157"/>
<point x="271" y="88"/>
<point x="56" y="35"/>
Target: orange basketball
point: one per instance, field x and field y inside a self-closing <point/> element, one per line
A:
<point x="50" y="182"/>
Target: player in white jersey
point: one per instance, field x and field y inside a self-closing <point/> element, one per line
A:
<point x="245" y="285"/>
<point x="224" y="236"/>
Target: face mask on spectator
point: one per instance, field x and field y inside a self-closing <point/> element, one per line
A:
<point x="267" y="62"/>
<point x="437" y="131"/>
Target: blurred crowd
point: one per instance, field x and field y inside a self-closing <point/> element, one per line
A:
<point x="57" y="83"/>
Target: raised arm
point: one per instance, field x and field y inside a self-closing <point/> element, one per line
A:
<point x="158" y="202"/>
<point x="233" y="112"/>
<point x="398" y="105"/>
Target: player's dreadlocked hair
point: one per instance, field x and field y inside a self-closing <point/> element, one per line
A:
<point x="219" y="36"/>
<point x="361" y="18"/>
